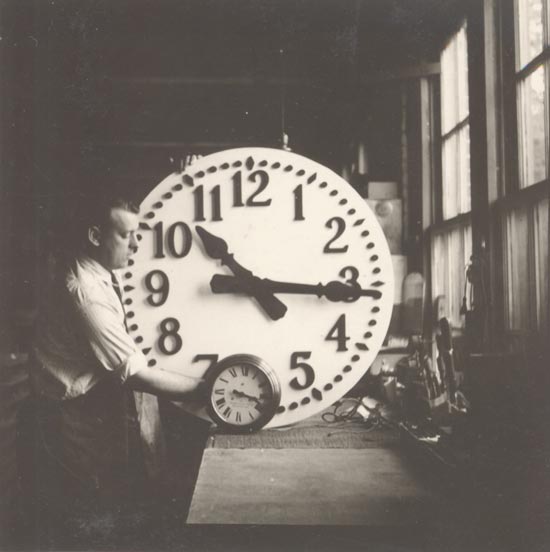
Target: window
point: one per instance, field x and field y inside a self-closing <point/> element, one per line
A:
<point x="532" y="67"/>
<point x="455" y="139"/>
<point x="525" y="217"/>
<point x="451" y="243"/>
<point x="526" y="236"/>
<point x="451" y="251"/>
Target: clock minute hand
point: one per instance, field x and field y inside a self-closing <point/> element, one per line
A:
<point x="333" y="290"/>
<point x="217" y="248"/>
<point x="238" y="393"/>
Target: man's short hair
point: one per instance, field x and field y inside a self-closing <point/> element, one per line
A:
<point x="98" y="211"/>
<point x="93" y="208"/>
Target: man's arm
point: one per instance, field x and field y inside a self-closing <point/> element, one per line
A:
<point x="164" y="383"/>
<point x="117" y="352"/>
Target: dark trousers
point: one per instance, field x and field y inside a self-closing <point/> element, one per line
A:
<point x="89" y="468"/>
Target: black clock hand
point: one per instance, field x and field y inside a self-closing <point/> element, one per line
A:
<point x="217" y="248"/>
<point x="333" y="291"/>
<point x="241" y="394"/>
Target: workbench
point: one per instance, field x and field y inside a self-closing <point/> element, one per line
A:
<point x="314" y="473"/>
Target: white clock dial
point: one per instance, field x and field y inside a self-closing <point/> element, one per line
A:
<point x="293" y="224"/>
<point x="244" y="393"/>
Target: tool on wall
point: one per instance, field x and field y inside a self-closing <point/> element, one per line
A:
<point x="445" y="358"/>
<point x="475" y="304"/>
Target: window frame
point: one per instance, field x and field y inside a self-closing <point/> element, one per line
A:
<point x="522" y="72"/>
<point x="462" y="220"/>
<point x="509" y="196"/>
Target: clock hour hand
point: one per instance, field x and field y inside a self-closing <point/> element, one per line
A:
<point x="238" y="393"/>
<point x="333" y="290"/>
<point x="217" y="248"/>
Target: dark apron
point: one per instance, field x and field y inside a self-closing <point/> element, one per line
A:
<point x="92" y="443"/>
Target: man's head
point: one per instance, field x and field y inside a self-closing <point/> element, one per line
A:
<point x="111" y="233"/>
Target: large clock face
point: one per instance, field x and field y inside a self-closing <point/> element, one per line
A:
<point x="261" y="252"/>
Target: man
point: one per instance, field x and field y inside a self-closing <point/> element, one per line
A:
<point x="88" y="367"/>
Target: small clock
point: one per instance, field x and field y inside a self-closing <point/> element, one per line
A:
<point x="243" y="393"/>
<point x="266" y="253"/>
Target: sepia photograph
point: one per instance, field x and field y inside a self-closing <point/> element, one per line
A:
<point x="274" y="275"/>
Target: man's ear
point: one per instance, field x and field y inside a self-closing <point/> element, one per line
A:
<point x="94" y="235"/>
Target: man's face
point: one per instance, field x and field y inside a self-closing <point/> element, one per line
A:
<point x="117" y="241"/>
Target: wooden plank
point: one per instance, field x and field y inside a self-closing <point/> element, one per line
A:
<point x="210" y="81"/>
<point x="366" y="487"/>
<point x="410" y="71"/>
<point x="185" y="146"/>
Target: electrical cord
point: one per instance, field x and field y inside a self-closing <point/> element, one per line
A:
<point x="347" y="410"/>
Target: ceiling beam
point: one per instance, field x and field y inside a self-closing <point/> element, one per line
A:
<point x="210" y="81"/>
<point x="418" y="70"/>
<point x="181" y="145"/>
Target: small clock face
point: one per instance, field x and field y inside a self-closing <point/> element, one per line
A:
<point x="266" y="253"/>
<point x="244" y="393"/>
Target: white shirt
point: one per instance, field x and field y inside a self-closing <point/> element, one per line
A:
<point x="81" y="335"/>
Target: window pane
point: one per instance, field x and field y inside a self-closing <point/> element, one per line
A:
<point x="454" y="82"/>
<point x="530" y="30"/>
<point x="448" y="88"/>
<point x="456" y="173"/>
<point x="532" y="127"/>
<point x="451" y="252"/>
<point x="438" y="265"/>
<point x="450" y="177"/>
<point x="540" y="223"/>
<point x="462" y="72"/>
<point x="464" y="169"/>
<point x="527" y="277"/>
<point x="517" y="269"/>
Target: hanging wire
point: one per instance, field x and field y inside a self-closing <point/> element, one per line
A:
<point x="284" y="135"/>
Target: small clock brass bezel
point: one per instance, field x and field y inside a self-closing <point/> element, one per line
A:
<point x="270" y="409"/>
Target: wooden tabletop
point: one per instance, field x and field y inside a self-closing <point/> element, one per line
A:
<point x="314" y="473"/>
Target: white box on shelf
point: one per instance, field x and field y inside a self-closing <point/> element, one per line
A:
<point x="382" y="190"/>
<point x="389" y="213"/>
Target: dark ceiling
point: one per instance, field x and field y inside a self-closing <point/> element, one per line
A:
<point x="129" y="84"/>
<point x="136" y="82"/>
<point x="209" y="74"/>
<point x="228" y="38"/>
